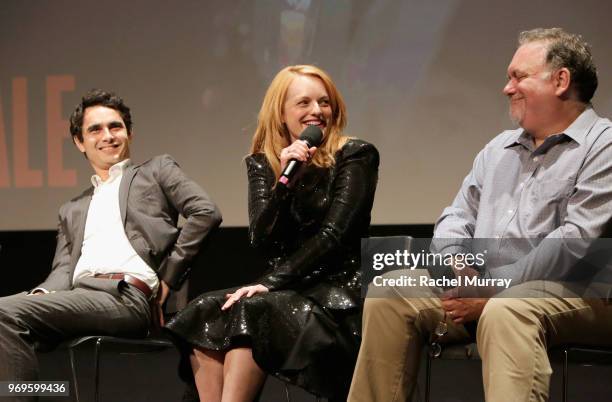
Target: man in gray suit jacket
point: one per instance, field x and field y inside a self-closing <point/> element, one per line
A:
<point x="118" y="246"/>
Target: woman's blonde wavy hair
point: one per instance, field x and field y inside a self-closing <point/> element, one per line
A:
<point x="271" y="135"/>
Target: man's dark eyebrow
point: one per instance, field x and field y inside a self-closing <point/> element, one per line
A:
<point x="93" y="127"/>
<point x="116" y="123"/>
<point x="112" y="124"/>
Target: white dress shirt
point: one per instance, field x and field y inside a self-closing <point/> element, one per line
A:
<point x="106" y="248"/>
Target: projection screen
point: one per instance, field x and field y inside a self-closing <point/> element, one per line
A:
<point x="422" y="81"/>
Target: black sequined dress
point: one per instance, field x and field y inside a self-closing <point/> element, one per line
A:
<point x="306" y="330"/>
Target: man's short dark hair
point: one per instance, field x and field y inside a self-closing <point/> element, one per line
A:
<point x="98" y="97"/>
<point x="570" y="51"/>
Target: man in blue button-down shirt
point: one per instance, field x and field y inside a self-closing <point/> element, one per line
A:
<point x="549" y="179"/>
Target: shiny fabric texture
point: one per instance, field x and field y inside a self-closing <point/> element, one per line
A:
<point x="306" y="330"/>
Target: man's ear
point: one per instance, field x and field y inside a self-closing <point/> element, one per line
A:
<point x="78" y="144"/>
<point x="562" y="78"/>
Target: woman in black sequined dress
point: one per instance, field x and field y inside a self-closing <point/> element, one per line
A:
<point x="301" y="321"/>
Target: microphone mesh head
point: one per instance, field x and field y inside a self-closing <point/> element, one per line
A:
<point x="312" y="135"/>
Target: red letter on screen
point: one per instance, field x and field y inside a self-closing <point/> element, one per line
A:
<point x="4" y="174"/>
<point x="57" y="132"/>
<point x="24" y="176"/>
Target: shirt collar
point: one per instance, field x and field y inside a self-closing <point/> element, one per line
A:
<point x="520" y="137"/>
<point x="576" y="131"/>
<point x="114" y="172"/>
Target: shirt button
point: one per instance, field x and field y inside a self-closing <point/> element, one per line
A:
<point x="510" y="211"/>
<point x="535" y="159"/>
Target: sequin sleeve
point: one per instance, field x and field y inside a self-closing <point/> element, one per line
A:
<point x="352" y="197"/>
<point x="266" y="202"/>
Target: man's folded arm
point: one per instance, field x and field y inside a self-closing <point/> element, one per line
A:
<point x="201" y="215"/>
<point x="458" y="221"/>
<point x="59" y="278"/>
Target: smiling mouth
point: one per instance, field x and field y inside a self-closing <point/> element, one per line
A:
<point x="318" y="123"/>
<point x="109" y="148"/>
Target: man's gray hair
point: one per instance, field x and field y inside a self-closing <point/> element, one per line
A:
<point x="570" y="51"/>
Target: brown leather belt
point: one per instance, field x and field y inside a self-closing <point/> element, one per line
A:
<point x="137" y="283"/>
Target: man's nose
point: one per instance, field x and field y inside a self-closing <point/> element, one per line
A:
<point x="107" y="134"/>
<point x="509" y="87"/>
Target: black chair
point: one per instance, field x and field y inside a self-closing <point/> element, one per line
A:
<point x="120" y="345"/>
<point x="583" y="355"/>
<point x="114" y="344"/>
<point x="291" y="392"/>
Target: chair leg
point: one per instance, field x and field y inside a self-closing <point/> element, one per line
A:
<point x="427" y="377"/>
<point x="74" y="375"/>
<point x="287" y="396"/>
<point x="565" y="375"/>
<point x="97" y="370"/>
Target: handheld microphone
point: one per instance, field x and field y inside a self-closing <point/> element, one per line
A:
<point x="313" y="137"/>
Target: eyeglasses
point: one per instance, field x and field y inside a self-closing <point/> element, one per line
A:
<point x="435" y="349"/>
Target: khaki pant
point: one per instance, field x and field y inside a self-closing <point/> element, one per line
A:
<point x="513" y="336"/>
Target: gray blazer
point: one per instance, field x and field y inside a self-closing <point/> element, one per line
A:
<point x="151" y="197"/>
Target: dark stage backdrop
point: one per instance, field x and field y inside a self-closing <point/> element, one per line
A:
<point x="422" y="80"/>
<point x="225" y="259"/>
